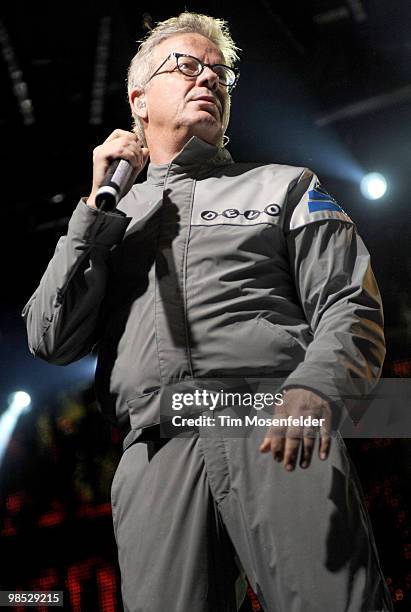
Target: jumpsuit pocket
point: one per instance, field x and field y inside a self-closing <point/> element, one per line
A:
<point x="278" y="330"/>
<point x="289" y="352"/>
<point x="144" y="409"/>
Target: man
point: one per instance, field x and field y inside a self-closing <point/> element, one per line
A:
<point x="209" y="271"/>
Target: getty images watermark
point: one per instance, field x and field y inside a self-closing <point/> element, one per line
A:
<point x="212" y="400"/>
<point x="377" y="409"/>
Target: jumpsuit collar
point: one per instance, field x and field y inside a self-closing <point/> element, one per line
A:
<point x="195" y="154"/>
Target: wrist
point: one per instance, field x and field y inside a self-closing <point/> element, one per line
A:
<point x="91" y="200"/>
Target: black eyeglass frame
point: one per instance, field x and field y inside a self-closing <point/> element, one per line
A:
<point x="203" y="65"/>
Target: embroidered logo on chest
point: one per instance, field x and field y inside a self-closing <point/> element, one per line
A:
<point x="272" y="210"/>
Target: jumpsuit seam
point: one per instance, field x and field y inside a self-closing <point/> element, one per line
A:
<point x="151" y="573"/>
<point x="208" y="473"/>
<point x="184" y="275"/>
<point x="156" y="284"/>
<point x="225" y="455"/>
<point x="155" y="327"/>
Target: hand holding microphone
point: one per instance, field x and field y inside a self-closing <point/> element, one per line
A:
<point x="116" y="164"/>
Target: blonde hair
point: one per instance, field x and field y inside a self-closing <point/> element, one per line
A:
<point x="141" y="66"/>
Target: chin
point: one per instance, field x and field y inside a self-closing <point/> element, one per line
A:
<point x="210" y="137"/>
<point x="209" y="133"/>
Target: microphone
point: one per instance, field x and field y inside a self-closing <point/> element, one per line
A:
<point x="115" y="181"/>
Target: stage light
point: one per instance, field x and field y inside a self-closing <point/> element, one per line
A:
<point x="20" y="400"/>
<point x="373" y="186"/>
<point x="18" y="403"/>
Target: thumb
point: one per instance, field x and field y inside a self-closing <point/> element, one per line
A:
<point x="265" y="445"/>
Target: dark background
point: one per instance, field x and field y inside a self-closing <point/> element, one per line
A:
<point x="324" y="84"/>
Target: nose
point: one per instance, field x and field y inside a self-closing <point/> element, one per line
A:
<point x="208" y="78"/>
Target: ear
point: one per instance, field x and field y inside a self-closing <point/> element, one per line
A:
<point x="138" y="103"/>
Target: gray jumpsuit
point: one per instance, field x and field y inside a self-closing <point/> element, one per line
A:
<point x="212" y="269"/>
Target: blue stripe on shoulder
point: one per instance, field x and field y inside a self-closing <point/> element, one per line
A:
<point x="324" y="205"/>
<point x="315" y="194"/>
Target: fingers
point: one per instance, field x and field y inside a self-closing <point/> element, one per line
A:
<point x="118" y="133"/>
<point x="121" y="147"/>
<point x="274" y="442"/>
<point x="119" y="144"/>
<point x="284" y="444"/>
<point x="307" y="449"/>
<point x="124" y="138"/>
<point x="291" y="448"/>
<point x="288" y="445"/>
<point x="325" y="444"/>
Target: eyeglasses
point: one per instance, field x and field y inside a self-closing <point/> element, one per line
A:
<point x="192" y="67"/>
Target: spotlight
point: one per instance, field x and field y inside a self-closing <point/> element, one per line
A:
<point x="20" y="400"/>
<point x="373" y="186"/>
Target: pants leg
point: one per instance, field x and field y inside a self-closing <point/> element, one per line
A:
<point x="303" y="537"/>
<point x="173" y="550"/>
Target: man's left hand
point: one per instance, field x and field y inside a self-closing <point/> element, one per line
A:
<point x="284" y="442"/>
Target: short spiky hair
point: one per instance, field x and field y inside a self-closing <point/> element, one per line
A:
<point x="141" y="67"/>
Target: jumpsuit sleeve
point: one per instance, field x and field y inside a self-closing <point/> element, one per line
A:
<point x="62" y="315"/>
<point x="339" y="296"/>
